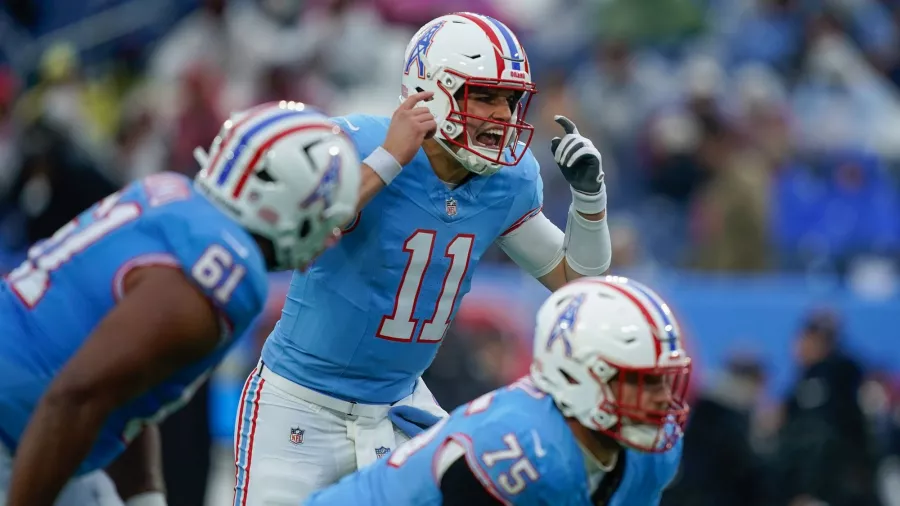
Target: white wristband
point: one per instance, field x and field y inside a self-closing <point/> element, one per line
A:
<point x="589" y="204"/>
<point x="384" y="164"/>
<point x="147" y="499"/>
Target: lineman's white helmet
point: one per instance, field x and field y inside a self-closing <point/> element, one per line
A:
<point x="285" y="172"/>
<point x="608" y="350"/>
<point x="451" y="55"/>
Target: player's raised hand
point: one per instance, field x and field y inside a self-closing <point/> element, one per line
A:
<point x="578" y="159"/>
<point x="410" y="126"/>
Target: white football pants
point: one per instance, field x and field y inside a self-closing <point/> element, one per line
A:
<point x="92" y="489"/>
<point x="290" y="441"/>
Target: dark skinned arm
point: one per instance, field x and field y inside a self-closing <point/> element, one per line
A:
<point x="161" y="325"/>
<point x="139" y="469"/>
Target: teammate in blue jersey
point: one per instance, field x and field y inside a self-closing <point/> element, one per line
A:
<point x="598" y="422"/>
<point x="447" y="176"/>
<point x="112" y="323"/>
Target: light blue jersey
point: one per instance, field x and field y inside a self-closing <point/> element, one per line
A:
<point x="52" y="302"/>
<point x="518" y="445"/>
<point x="368" y="318"/>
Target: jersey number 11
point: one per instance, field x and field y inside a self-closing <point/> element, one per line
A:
<point x="400" y="325"/>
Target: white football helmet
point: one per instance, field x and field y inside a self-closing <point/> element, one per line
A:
<point x="286" y="173"/>
<point x="608" y="350"/>
<point x="455" y="53"/>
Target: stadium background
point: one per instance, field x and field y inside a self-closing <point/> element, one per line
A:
<point x="751" y="150"/>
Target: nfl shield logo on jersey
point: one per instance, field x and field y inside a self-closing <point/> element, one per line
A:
<point x="381" y="452"/>
<point x="451" y="206"/>
<point x="297" y="435"/>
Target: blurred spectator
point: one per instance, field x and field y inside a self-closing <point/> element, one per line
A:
<point x="769" y="31"/>
<point x="719" y="466"/>
<point x="351" y="41"/>
<point x="140" y="143"/>
<point x="55" y="181"/>
<point x="825" y="448"/>
<point x="66" y="97"/>
<point x="730" y="213"/>
<point x="200" y="37"/>
<point x="199" y="119"/>
<point x="9" y="87"/>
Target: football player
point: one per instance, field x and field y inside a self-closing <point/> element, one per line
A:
<point x="113" y="322"/>
<point x="446" y="177"/>
<point x="598" y="422"/>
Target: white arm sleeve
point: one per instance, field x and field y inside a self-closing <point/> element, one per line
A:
<point x="588" y="246"/>
<point x="536" y="245"/>
<point x="449" y="454"/>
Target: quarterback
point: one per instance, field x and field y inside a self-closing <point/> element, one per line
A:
<point x="598" y="422"/>
<point x="444" y="178"/>
<point x="113" y="322"/>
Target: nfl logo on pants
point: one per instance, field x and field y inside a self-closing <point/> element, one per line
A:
<point x="381" y="452"/>
<point x="296" y="435"/>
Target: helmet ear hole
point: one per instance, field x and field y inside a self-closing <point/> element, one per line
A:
<point x="264" y="175"/>
<point x="569" y="378"/>
<point x="419" y="89"/>
<point x="305" y="228"/>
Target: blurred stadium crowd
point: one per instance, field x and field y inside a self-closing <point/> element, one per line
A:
<point x="738" y="136"/>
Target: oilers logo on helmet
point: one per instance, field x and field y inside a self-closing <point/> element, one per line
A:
<point x="330" y="180"/>
<point x="421" y="50"/>
<point x="566" y="323"/>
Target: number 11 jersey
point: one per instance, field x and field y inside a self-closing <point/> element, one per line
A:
<point x="367" y="319"/>
<point x="52" y="302"/>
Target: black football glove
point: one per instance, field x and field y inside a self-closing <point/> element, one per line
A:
<point x="578" y="159"/>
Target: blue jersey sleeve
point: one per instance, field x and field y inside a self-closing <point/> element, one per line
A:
<point x="656" y="472"/>
<point x="367" y="132"/>
<point x="224" y="274"/>
<point x="520" y="466"/>
<point x="667" y="466"/>
<point x="212" y="251"/>
<point x="529" y="198"/>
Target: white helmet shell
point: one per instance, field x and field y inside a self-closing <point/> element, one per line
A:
<point x="455" y="53"/>
<point x="286" y="173"/>
<point x="592" y="337"/>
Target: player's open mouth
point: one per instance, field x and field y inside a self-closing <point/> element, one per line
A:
<point x="490" y="138"/>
